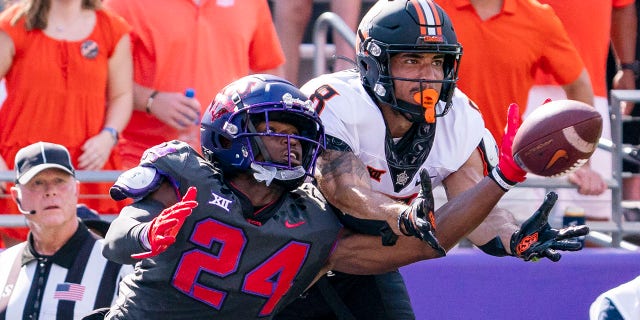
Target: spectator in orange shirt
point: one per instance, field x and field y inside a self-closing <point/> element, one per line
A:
<point x="593" y="25"/>
<point x="505" y="42"/>
<point x="68" y="71"/>
<point x="195" y="44"/>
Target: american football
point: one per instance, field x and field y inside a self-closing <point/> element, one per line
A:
<point x="557" y="138"/>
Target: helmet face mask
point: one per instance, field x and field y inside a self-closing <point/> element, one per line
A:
<point x="230" y="139"/>
<point x="411" y="26"/>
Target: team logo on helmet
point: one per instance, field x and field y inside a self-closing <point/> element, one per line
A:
<point x="431" y="39"/>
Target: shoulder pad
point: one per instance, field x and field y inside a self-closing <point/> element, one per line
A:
<point x="136" y="183"/>
<point x="164" y="149"/>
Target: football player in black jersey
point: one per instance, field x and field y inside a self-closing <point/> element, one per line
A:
<point x="237" y="233"/>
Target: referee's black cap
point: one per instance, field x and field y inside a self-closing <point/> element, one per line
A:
<point x="39" y="156"/>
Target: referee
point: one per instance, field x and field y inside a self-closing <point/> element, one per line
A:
<point x="59" y="272"/>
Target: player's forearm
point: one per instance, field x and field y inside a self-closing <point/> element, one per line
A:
<point x="123" y="240"/>
<point x="499" y="223"/>
<point x="364" y="254"/>
<point x="345" y="183"/>
<point x="365" y="203"/>
<point x="462" y="214"/>
<point x="127" y="232"/>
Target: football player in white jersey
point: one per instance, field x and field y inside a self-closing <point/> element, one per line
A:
<point x="397" y="114"/>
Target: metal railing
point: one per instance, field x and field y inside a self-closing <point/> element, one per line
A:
<point x="18" y="220"/>
<point x="320" y="31"/>
<point x="617" y="97"/>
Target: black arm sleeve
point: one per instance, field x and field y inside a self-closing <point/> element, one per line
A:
<point x="494" y="248"/>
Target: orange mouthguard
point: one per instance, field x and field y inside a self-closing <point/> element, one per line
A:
<point x="428" y="99"/>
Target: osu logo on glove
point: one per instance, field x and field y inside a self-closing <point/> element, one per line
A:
<point x="526" y="243"/>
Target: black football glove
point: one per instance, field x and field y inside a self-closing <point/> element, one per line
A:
<point x="536" y="239"/>
<point x="418" y="219"/>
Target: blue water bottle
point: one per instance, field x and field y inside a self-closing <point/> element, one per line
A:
<point x="189" y="93"/>
<point x="190" y="134"/>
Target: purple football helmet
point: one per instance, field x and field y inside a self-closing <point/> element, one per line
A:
<point x="229" y="135"/>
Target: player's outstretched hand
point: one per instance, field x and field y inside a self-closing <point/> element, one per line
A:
<point x="418" y="219"/>
<point x="164" y="228"/>
<point x="536" y="239"/>
<point x="507" y="173"/>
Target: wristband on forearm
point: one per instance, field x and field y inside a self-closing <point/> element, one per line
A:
<point x="150" y="101"/>
<point x="502" y="182"/>
<point x="143" y="236"/>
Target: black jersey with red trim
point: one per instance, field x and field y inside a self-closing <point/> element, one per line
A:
<point x="223" y="265"/>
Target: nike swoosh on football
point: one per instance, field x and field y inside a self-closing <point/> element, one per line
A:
<point x="293" y="225"/>
<point x="556" y="156"/>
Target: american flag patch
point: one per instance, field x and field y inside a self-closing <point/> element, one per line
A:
<point x="69" y="291"/>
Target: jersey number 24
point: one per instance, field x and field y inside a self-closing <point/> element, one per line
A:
<point x="270" y="279"/>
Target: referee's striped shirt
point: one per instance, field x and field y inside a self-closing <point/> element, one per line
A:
<point x="68" y="285"/>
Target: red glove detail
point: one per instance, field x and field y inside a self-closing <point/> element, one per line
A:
<point x="164" y="228"/>
<point x="507" y="166"/>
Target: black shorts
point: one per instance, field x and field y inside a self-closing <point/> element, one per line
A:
<point x="379" y="297"/>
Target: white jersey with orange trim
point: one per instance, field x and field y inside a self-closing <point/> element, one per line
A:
<point x="349" y="114"/>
